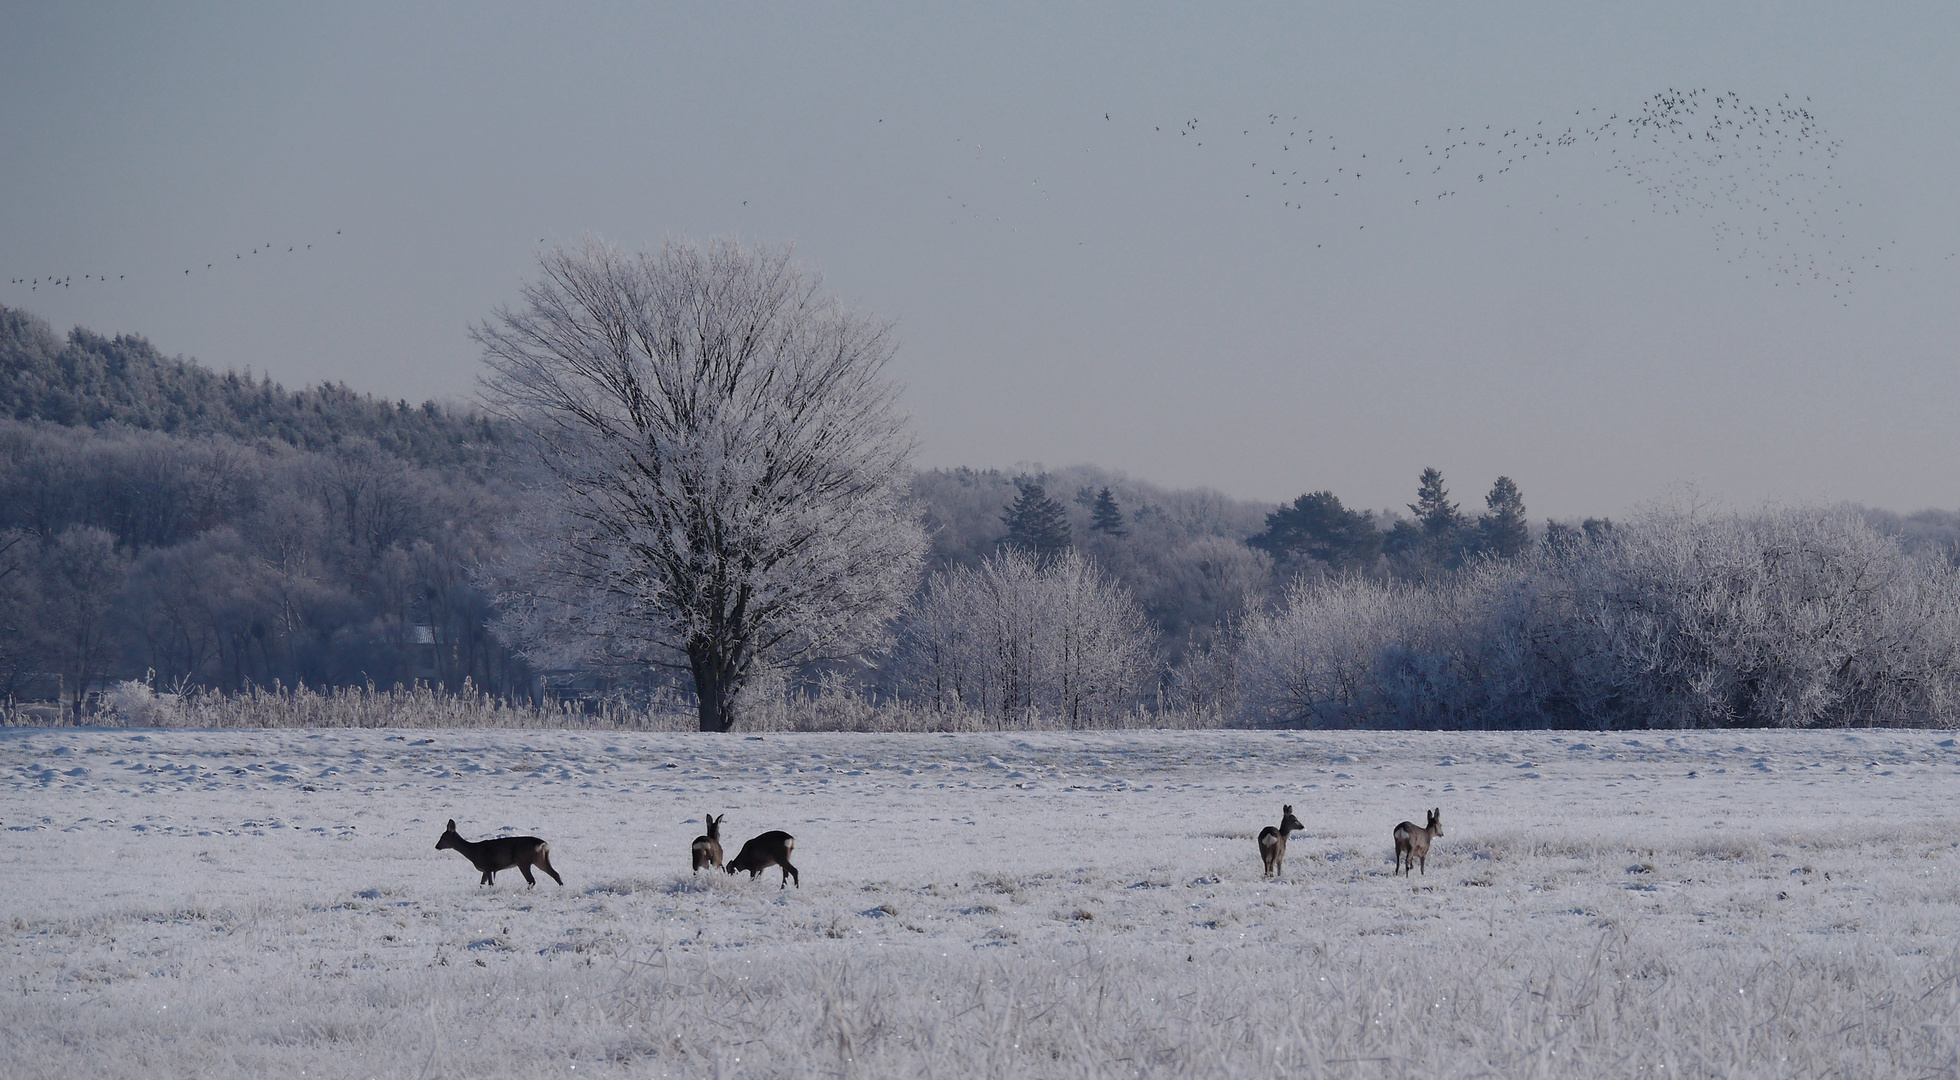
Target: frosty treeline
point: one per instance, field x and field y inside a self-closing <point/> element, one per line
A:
<point x="1779" y="618"/>
<point x="163" y="523"/>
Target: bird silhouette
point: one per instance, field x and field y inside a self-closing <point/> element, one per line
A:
<point x="1759" y="175"/>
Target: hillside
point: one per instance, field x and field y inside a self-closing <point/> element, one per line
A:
<point x="89" y="380"/>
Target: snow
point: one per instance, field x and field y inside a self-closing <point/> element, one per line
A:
<point x="271" y="903"/>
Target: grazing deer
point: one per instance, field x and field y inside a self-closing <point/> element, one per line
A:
<point x="1412" y="843"/>
<point x="707" y="849"/>
<point x="504" y="852"/>
<point x="1272" y="841"/>
<point x="770" y="849"/>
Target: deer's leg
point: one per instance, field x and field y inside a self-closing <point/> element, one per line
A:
<point x="545" y="865"/>
<point x="489" y="878"/>
<point x="525" y="869"/>
<point x="790" y="872"/>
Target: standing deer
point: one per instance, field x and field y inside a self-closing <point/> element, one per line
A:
<point x="1412" y="843"/>
<point x="770" y="849"/>
<point x="707" y="849"/>
<point x="1272" y="841"/>
<point x="504" y="852"/>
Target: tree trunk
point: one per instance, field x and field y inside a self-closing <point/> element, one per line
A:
<point x="714" y="690"/>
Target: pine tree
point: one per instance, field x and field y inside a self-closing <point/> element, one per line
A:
<point x="1319" y="527"/>
<point x="1502" y="531"/>
<point x="1561" y="538"/>
<point x="1439" y="536"/>
<point x="1109" y="516"/>
<point x="1036" y="523"/>
<point x="1434" y="511"/>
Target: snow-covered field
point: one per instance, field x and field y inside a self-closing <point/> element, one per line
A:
<point x="271" y="903"/>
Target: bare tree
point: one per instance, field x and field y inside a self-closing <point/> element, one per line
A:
<point x="1014" y="638"/>
<point x="730" y="464"/>
<point x="82" y="576"/>
<point x="17" y="602"/>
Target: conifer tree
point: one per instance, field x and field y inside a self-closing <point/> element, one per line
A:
<point x="1317" y="526"/>
<point x="1560" y="537"/>
<point x="1502" y="530"/>
<point x="1108" y="516"/>
<point x="1435" y="513"/>
<point x="1036" y="523"/>
<point x="1438" y="537"/>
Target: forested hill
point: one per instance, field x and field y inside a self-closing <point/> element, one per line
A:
<point x="90" y="380"/>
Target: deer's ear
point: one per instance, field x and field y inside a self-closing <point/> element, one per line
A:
<point x="452" y="824"/>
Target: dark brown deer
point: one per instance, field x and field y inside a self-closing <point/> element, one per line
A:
<point x="490" y="856"/>
<point x="770" y="849"/>
<point x="1272" y="841"/>
<point x="707" y="849"/>
<point x="1412" y="842"/>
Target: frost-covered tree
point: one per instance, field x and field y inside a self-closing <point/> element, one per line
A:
<point x="1781" y="618"/>
<point x="1354" y="652"/>
<point x="1200" y="588"/>
<point x="730" y="464"/>
<point x="1013" y="637"/>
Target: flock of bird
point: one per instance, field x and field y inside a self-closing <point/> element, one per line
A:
<point x="34" y="282"/>
<point x="1758" y="173"/>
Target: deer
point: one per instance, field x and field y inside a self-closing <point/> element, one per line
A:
<point x="490" y="856"/>
<point x="770" y="849"/>
<point x="707" y="849"/>
<point x="1272" y="841"/>
<point x="1412" y="842"/>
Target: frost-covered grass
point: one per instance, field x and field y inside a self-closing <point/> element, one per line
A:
<point x="137" y="705"/>
<point x="271" y="903"/>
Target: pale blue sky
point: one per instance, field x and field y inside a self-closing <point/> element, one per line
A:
<point x="1067" y="288"/>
